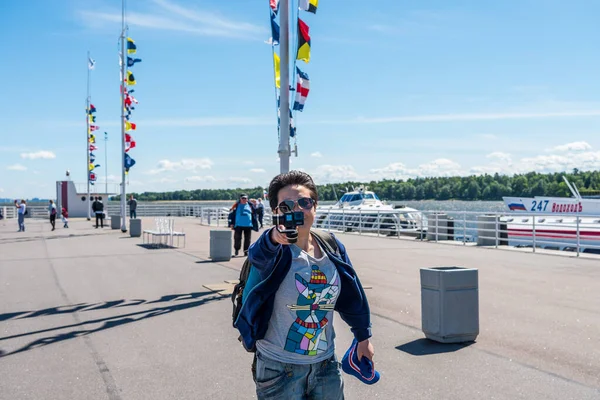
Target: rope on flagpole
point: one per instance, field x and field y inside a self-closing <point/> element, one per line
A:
<point x="275" y="78"/>
<point x="295" y="75"/>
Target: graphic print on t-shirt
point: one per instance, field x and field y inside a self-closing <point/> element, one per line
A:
<point x="315" y="299"/>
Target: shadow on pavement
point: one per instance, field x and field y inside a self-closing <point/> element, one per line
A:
<point x="426" y="347"/>
<point x="72" y="308"/>
<point x="111" y="322"/>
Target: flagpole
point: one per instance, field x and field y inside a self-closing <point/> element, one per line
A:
<point x="122" y="86"/>
<point x="87" y="136"/>
<point x="106" y="166"/>
<point x="284" y="108"/>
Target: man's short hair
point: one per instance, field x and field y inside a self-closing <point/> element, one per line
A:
<point x="293" y="178"/>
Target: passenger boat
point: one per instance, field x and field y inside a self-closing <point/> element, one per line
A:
<point x="559" y="223"/>
<point x="361" y="210"/>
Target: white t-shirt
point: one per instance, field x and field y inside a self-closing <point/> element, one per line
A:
<point x="300" y="330"/>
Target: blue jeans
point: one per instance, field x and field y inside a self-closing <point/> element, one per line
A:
<point x="277" y="380"/>
<point x="21" y="220"/>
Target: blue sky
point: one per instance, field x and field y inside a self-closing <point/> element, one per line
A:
<point x="398" y="89"/>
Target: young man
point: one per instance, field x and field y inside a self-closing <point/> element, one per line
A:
<point x="287" y="314"/>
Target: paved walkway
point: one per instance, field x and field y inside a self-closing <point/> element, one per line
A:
<point x="89" y="314"/>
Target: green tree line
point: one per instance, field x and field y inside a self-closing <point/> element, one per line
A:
<point x="482" y="187"/>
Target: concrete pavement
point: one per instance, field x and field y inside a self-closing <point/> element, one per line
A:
<point x="90" y="314"/>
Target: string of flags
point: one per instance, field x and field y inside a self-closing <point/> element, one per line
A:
<point x="129" y="103"/>
<point x="92" y="139"/>
<point x="303" y="46"/>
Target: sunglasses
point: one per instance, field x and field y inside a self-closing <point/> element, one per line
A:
<point x="305" y="203"/>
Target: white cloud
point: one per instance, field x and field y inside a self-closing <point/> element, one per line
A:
<point x="240" y="181"/>
<point x="1" y="190"/>
<point x="335" y="173"/>
<point x="316" y="154"/>
<point x="573" y="146"/>
<point x="398" y="170"/>
<point x="173" y="17"/>
<point x="43" y="154"/>
<point x="258" y="170"/>
<point x="189" y="164"/>
<point x="440" y="167"/>
<point x="207" y="178"/>
<point x="16" y="167"/>
<point x="556" y="163"/>
<point x="488" y="136"/>
<point x="500" y="156"/>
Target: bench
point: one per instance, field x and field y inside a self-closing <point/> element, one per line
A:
<point x="164" y="228"/>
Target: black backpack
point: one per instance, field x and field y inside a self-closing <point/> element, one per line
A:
<point x="325" y="240"/>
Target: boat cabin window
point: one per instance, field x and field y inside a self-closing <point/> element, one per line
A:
<point x="351" y="197"/>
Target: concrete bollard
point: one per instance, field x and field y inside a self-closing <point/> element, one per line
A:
<point x="442" y="227"/>
<point x="486" y="231"/>
<point x="115" y="222"/>
<point x="220" y="244"/>
<point x="450" y="304"/>
<point x="135" y="227"/>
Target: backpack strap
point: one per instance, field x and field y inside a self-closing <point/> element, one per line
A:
<point x="326" y="240"/>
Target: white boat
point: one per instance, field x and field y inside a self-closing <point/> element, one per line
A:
<point x="559" y="223"/>
<point x="362" y="211"/>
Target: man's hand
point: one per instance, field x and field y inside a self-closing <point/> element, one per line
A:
<point x="365" y="348"/>
<point x="278" y="237"/>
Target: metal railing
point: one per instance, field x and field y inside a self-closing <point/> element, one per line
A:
<point x="566" y="232"/>
<point x="158" y="209"/>
<point x="37" y="212"/>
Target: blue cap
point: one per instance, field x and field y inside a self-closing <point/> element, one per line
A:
<point x="364" y="369"/>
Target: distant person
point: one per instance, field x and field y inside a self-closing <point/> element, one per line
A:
<point x="65" y="217"/>
<point x="260" y="211"/>
<point x="98" y="209"/>
<point x="52" y="211"/>
<point x="132" y="207"/>
<point x="242" y="218"/>
<point x="21" y="211"/>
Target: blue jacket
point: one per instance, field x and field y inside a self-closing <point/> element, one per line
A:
<point x="270" y="265"/>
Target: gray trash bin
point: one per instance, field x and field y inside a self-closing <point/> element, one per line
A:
<point x="135" y="227"/>
<point x="115" y="222"/>
<point x="220" y="244"/>
<point x="450" y="304"/>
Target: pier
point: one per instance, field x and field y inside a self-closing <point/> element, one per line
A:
<point x="92" y="314"/>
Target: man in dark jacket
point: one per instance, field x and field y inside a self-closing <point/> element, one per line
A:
<point x="98" y="209"/>
<point x="289" y="299"/>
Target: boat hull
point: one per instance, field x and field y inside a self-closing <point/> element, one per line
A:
<point x="562" y="233"/>
<point x="390" y="222"/>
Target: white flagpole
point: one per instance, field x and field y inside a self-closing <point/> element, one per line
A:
<point x="284" y="108"/>
<point x="122" y="87"/>
<point x="87" y="136"/>
<point x="106" y="167"/>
